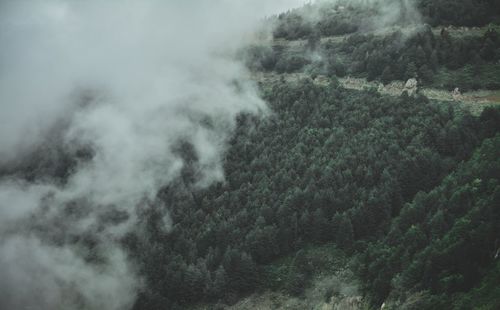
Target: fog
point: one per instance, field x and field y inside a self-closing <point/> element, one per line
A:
<point x="384" y="13"/>
<point x="95" y="98"/>
<point x="116" y="86"/>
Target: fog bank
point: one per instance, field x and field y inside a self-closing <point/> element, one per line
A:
<point x="114" y="86"/>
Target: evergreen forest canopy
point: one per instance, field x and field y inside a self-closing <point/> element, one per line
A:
<point x="356" y="169"/>
<point x="407" y="187"/>
<point x="404" y="189"/>
<point x="364" y="40"/>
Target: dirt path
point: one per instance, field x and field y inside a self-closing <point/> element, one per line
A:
<point x="475" y="101"/>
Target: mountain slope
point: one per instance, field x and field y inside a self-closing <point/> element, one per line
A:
<point x="379" y="176"/>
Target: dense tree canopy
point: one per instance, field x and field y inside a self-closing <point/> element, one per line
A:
<point x="443" y="242"/>
<point x="389" y="180"/>
<point x="330" y="165"/>
<point x="436" y="58"/>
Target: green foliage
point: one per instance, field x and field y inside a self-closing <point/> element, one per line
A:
<point x="485" y="296"/>
<point x="291" y="63"/>
<point x="486" y="76"/>
<point x="444" y="60"/>
<point x="260" y="58"/>
<point x="381" y="178"/>
<point x="459" y="12"/>
<point x="292" y="26"/>
<point x="397" y="56"/>
<point x="330" y="165"/>
<point x="293" y="273"/>
<point x="449" y="236"/>
<point x="345" y="17"/>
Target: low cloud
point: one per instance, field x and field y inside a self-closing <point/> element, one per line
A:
<point x="95" y="96"/>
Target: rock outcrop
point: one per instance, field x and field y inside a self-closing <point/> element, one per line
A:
<point x="456" y="94"/>
<point x="411" y="87"/>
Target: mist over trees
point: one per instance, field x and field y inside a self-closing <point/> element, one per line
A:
<point x="163" y="155"/>
<point x="365" y="41"/>
<point x="319" y="170"/>
<point x="97" y="100"/>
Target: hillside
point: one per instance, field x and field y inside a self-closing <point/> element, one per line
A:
<point x="351" y="199"/>
<point x="345" y="157"/>
<point x="339" y="164"/>
<point x="451" y="62"/>
<point x="401" y="181"/>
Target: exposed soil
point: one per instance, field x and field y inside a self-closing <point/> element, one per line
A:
<point x="475" y="101"/>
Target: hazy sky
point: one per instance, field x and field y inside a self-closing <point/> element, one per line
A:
<point x="278" y="6"/>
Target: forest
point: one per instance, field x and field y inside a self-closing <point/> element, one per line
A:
<point x="406" y="187"/>
<point x="436" y="57"/>
<point x="356" y="169"/>
<point x="201" y="181"/>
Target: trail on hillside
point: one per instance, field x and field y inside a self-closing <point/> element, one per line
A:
<point x="475" y="101"/>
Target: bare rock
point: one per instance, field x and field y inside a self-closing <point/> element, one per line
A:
<point x="411" y="87"/>
<point x="456" y="94"/>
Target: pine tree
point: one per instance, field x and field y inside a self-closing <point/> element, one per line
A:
<point x="345" y="233"/>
